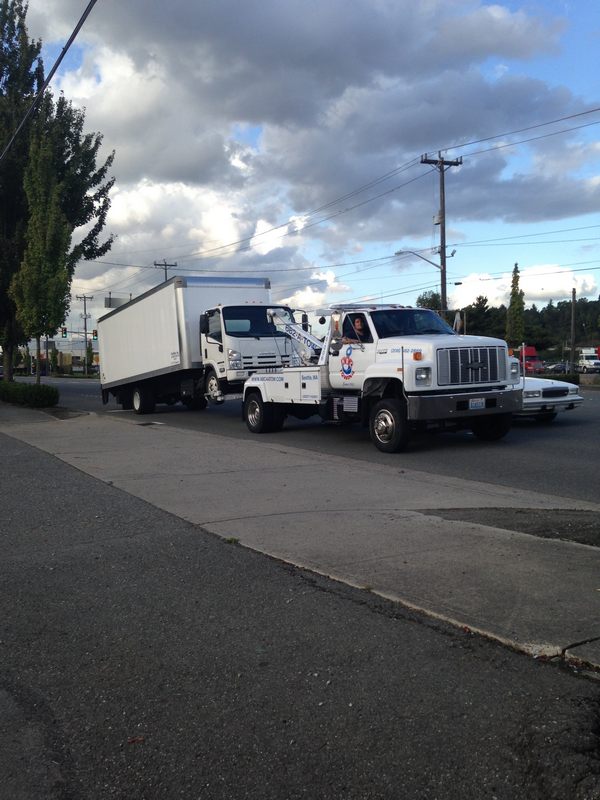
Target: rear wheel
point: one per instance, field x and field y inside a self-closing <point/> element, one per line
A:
<point x="388" y="425"/>
<point x="142" y="400"/>
<point x="491" y="428"/>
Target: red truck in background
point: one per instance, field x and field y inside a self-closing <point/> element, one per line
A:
<point x="531" y="363"/>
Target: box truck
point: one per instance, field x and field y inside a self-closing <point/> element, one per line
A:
<point x="190" y="339"/>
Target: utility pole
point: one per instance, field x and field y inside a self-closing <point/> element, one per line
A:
<point x="573" y="305"/>
<point x="165" y="266"/>
<point x="442" y="165"/>
<point x="85" y="316"/>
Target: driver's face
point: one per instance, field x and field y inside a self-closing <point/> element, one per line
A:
<point x="358" y="324"/>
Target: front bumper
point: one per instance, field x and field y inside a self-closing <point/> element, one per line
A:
<point x="541" y="406"/>
<point x="462" y="405"/>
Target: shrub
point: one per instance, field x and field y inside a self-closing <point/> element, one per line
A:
<point x="29" y="394"/>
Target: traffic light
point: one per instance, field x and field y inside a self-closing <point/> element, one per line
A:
<point x="94" y="334"/>
<point x="63" y="332"/>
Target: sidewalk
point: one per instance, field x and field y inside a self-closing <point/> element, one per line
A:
<point x="538" y="595"/>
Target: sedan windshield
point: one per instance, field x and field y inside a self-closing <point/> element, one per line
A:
<point x="409" y="322"/>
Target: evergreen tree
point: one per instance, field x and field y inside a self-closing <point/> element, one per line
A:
<point x="515" y="330"/>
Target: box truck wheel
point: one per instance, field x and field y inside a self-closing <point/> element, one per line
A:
<point x="262" y="417"/>
<point x="143" y="400"/>
<point x="492" y="427"/>
<point x="388" y="425"/>
<point x="212" y="388"/>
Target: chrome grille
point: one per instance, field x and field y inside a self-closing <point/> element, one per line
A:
<point x="460" y="365"/>
<point x="265" y="360"/>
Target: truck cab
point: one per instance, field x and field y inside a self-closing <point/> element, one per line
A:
<point x="238" y="340"/>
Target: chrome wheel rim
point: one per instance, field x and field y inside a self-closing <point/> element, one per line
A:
<point x="384" y="426"/>
<point x="254" y="413"/>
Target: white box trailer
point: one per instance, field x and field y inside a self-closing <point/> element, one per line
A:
<point x="152" y="348"/>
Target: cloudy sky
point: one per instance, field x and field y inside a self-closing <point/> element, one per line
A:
<point x="285" y="138"/>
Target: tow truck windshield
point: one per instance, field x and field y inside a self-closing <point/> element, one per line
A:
<point x="409" y="322"/>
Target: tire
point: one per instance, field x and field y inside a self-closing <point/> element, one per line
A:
<point x="212" y="387"/>
<point x="142" y="400"/>
<point x="261" y="417"/>
<point x="546" y="418"/>
<point x="388" y="425"/>
<point x="491" y="428"/>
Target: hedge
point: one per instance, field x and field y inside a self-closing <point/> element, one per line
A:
<point x="32" y="395"/>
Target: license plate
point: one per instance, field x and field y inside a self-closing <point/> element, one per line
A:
<point x="477" y="403"/>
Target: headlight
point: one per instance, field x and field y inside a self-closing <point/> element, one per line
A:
<point x="514" y="369"/>
<point x="532" y="393"/>
<point x="423" y="375"/>
<point x="574" y="390"/>
<point x="235" y="359"/>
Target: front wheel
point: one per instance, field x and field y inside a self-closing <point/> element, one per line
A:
<point x="491" y="428"/>
<point x="262" y="417"/>
<point x="388" y="425"/>
<point x="212" y="388"/>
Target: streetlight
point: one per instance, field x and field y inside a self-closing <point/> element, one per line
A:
<point x="442" y="269"/>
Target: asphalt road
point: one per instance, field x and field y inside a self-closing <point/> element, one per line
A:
<point x="142" y="658"/>
<point x="561" y="458"/>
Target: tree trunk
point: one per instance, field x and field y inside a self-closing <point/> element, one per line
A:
<point x="38" y="353"/>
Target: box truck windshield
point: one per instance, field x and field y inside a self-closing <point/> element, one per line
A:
<point x="247" y="321"/>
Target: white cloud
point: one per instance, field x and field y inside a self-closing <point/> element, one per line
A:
<point x="230" y="119"/>
<point x="541" y="284"/>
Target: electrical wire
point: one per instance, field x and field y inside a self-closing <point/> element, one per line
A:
<point x="46" y="83"/>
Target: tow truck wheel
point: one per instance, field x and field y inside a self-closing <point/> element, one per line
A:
<point x="491" y="428"/>
<point x="260" y="417"/>
<point x="143" y="401"/>
<point x="388" y="425"/>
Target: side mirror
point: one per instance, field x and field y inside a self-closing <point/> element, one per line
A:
<point x="335" y="346"/>
<point x="204" y="324"/>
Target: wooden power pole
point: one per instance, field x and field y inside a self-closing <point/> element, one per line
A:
<point x="442" y="165"/>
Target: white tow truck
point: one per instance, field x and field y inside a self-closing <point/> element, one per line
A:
<point x="392" y="368"/>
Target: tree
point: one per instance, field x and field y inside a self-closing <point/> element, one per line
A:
<point x="62" y="189"/>
<point x="40" y="288"/>
<point x="514" y="318"/>
<point x="89" y="356"/>
<point x="430" y="300"/>
<point x="21" y="77"/>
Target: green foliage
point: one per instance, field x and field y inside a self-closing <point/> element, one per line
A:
<point x="29" y="394"/>
<point x="515" y="328"/>
<point x="50" y="185"/>
<point x="430" y="300"/>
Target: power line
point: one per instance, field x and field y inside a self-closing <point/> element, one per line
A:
<point x="46" y="83"/>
